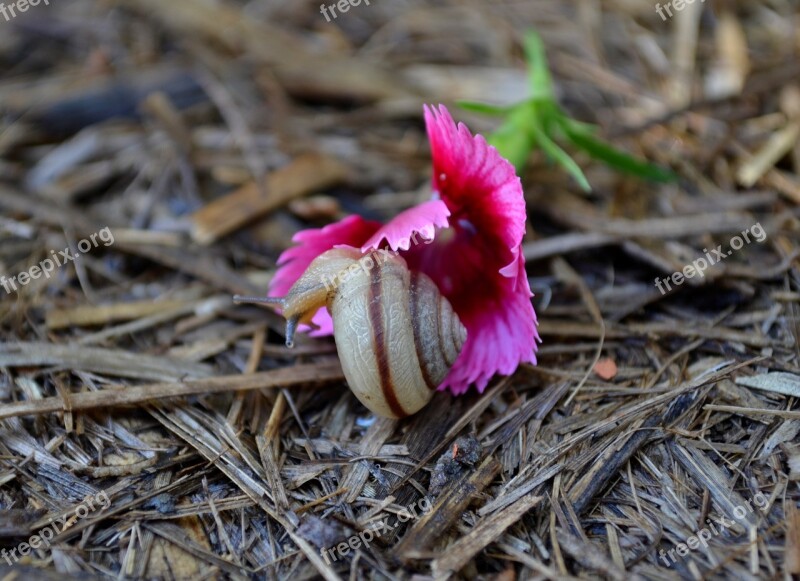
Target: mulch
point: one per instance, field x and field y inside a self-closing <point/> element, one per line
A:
<point x="657" y="438"/>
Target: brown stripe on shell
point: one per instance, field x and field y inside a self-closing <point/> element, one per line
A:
<point x="381" y="349"/>
<point x="416" y="324"/>
<point x="458" y="333"/>
<point x="438" y="332"/>
<point x="446" y="330"/>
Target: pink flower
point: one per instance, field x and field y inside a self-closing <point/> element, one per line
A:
<point x="473" y="229"/>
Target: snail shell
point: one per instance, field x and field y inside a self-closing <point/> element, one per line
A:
<point x="397" y="336"/>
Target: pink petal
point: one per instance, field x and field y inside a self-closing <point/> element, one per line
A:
<point x="351" y="231"/>
<point x="501" y="334"/>
<point x="477" y="263"/>
<point x="480" y="187"/>
<point x="399" y="232"/>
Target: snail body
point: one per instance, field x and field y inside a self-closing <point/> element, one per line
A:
<point x="396" y="335"/>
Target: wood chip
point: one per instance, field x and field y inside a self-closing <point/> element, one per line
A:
<point x="307" y="174"/>
<point x="482" y="534"/>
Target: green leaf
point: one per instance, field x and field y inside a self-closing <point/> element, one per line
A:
<point x="513" y="141"/>
<point x="616" y="158"/>
<point x="539" y="120"/>
<point x="485" y="108"/>
<point x="541" y="82"/>
<point x="557" y="154"/>
<point x="578" y="126"/>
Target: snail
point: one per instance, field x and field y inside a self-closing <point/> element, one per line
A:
<point x="396" y="335"/>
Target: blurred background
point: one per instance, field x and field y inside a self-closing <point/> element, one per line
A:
<point x="205" y="134"/>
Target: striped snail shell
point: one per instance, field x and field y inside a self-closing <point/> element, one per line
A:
<point x="397" y="336"/>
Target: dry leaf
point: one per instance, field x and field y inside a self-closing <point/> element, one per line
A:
<point x="779" y="382"/>
<point x="606" y="368"/>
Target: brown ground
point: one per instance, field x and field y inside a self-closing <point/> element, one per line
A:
<point x="137" y="114"/>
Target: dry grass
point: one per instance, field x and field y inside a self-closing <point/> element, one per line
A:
<point x="204" y="135"/>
